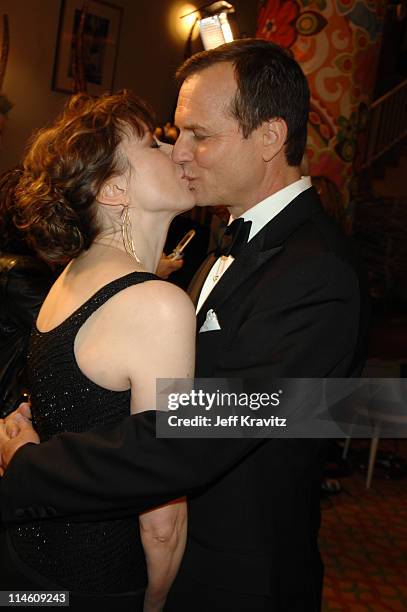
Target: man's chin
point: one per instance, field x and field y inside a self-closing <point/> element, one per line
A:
<point x="201" y="202"/>
<point x="200" y="199"/>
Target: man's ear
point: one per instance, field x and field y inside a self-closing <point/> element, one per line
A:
<point x="113" y="192"/>
<point x="274" y="137"/>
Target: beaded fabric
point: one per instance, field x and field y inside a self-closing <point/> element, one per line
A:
<point x="98" y="557"/>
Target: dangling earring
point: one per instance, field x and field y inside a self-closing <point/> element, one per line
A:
<point x="127" y="235"/>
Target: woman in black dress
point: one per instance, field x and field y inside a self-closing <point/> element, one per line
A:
<point x="98" y="192"/>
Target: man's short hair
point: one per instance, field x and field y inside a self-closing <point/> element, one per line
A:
<point x="270" y="84"/>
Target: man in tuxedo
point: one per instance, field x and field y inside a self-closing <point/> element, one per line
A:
<point x="287" y="299"/>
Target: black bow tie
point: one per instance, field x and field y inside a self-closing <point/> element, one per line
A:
<point x="233" y="238"/>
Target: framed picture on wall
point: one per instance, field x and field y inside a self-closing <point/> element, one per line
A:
<point x="87" y="45"/>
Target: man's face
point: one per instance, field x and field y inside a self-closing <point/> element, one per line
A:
<point x="223" y="168"/>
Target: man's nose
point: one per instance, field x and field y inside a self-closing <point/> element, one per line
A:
<point x="181" y="151"/>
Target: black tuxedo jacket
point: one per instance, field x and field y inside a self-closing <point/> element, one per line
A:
<point x="292" y="304"/>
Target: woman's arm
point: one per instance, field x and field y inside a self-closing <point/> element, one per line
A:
<point x="158" y="340"/>
<point x="163" y="534"/>
<point x="163" y="330"/>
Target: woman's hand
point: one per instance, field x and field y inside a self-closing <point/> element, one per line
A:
<point x="167" y="265"/>
<point x="13" y="420"/>
<point x="15" y="431"/>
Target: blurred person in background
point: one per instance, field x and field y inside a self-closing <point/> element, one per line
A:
<point x="25" y="280"/>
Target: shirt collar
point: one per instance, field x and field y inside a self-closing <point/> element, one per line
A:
<point x="270" y="207"/>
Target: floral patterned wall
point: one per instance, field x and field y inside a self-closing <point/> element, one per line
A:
<point x="337" y="43"/>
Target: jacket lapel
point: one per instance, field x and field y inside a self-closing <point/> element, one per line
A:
<point x="196" y="284"/>
<point x="250" y="259"/>
<point x="265" y="245"/>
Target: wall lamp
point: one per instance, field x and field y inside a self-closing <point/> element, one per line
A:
<point x="213" y="24"/>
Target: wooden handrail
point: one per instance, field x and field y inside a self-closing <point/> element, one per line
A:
<point x="387" y="123"/>
<point x="389" y="94"/>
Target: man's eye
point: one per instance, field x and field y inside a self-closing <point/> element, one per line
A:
<point x="199" y="136"/>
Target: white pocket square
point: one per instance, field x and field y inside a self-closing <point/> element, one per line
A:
<point x="211" y="322"/>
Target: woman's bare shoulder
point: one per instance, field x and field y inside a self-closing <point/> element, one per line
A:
<point x="155" y="299"/>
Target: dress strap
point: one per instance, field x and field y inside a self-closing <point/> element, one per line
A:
<point x="75" y="320"/>
<point x="108" y="291"/>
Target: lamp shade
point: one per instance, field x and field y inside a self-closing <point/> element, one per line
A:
<point x="215" y="30"/>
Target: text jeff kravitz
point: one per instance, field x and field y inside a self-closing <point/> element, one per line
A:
<point x="230" y="421"/>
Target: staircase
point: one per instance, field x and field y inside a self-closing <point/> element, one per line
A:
<point x="380" y="219"/>
<point x="388" y="123"/>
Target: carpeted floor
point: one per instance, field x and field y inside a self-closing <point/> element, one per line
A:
<point x="364" y="541"/>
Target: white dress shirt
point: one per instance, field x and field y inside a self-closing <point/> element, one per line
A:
<point x="259" y="215"/>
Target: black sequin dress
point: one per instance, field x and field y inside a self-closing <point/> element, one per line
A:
<point x="97" y="558"/>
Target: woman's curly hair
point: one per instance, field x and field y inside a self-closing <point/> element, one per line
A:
<point x="67" y="164"/>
